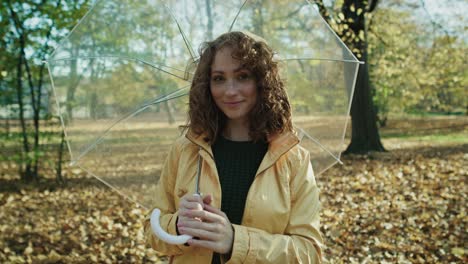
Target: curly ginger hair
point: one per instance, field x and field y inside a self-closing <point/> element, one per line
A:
<point x="272" y="111"/>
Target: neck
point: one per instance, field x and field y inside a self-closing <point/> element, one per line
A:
<point x="237" y="131"/>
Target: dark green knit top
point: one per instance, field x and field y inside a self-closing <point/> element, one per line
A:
<point x="237" y="163"/>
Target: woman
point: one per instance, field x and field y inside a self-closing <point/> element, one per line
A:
<point x="252" y="167"/>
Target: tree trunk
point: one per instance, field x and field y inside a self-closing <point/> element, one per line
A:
<point x="7" y="124"/>
<point x="209" y="15"/>
<point x="93" y="104"/>
<point x="59" y="175"/>
<point x="24" y="171"/>
<point x="71" y="90"/>
<point x="35" y="93"/>
<point x="169" y="111"/>
<point x="365" y="134"/>
<point x="36" y="98"/>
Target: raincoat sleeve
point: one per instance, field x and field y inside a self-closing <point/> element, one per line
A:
<point x="301" y="242"/>
<point x="164" y="200"/>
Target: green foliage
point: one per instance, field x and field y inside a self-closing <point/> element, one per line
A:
<point x="415" y="69"/>
<point x="28" y="31"/>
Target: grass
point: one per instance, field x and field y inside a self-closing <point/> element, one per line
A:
<point x="451" y="137"/>
<point x="437" y="129"/>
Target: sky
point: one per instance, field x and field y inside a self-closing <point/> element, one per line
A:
<point x="450" y="13"/>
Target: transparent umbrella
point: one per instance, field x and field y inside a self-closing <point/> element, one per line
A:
<point x="121" y="80"/>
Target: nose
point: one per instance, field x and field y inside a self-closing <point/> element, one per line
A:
<point x="231" y="87"/>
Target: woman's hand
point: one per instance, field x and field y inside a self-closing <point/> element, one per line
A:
<point x="211" y="226"/>
<point x="191" y="202"/>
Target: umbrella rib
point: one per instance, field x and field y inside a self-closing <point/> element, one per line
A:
<point x="173" y="95"/>
<point x="320" y="145"/>
<point x="58" y="108"/>
<point x="130" y="59"/>
<point x="75" y="27"/>
<point x="235" y="18"/>
<point x="190" y="49"/>
<point x="112" y="187"/>
<point x="187" y="44"/>
<point x="326" y="168"/>
<point x="356" y="71"/>
<point x="322" y="59"/>
<point x="333" y="31"/>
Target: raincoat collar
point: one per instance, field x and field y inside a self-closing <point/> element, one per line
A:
<point x="199" y="140"/>
<point x="278" y="145"/>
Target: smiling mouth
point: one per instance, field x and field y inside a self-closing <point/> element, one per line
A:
<point x="233" y="103"/>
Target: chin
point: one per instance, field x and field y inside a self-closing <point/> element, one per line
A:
<point x="235" y="117"/>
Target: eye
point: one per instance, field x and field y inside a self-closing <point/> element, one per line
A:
<point x="217" y="78"/>
<point x="244" y="76"/>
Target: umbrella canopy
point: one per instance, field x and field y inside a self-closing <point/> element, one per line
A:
<point x="121" y="80"/>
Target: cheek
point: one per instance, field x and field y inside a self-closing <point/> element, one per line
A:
<point x="251" y="91"/>
<point x="216" y="94"/>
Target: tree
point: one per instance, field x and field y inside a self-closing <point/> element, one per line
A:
<point x="350" y="25"/>
<point x="423" y="69"/>
<point x="30" y="28"/>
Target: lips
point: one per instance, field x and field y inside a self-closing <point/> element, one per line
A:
<point x="232" y="103"/>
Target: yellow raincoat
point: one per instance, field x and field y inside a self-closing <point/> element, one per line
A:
<point x="281" y="216"/>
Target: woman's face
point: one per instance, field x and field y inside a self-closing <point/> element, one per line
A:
<point x="233" y="87"/>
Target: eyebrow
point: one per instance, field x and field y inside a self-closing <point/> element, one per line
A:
<point x="240" y="68"/>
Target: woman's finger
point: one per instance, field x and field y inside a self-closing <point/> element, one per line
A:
<point x="191" y="205"/>
<point x="190" y="198"/>
<point x="219" y="241"/>
<point x="207" y="198"/>
<point x="199" y="233"/>
<point x="204" y="215"/>
<point x="214" y="210"/>
<point x="203" y="243"/>
<point x="194" y="198"/>
<point x="211" y="227"/>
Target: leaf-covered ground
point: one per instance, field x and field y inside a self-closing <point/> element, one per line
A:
<point x="407" y="205"/>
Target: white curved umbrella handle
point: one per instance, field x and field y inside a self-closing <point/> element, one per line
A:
<point x="163" y="235"/>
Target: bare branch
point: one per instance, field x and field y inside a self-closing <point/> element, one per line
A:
<point x="433" y="22"/>
<point x="291" y="14"/>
